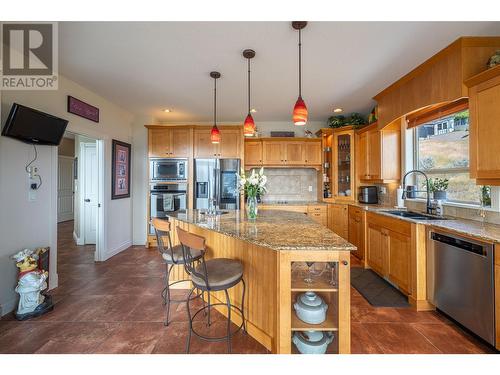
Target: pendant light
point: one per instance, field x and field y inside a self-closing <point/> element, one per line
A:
<point x="215" y="132"/>
<point x="249" y="124"/>
<point x="300" y="109"/>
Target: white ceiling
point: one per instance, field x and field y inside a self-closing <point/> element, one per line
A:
<point x="148" y="66"/>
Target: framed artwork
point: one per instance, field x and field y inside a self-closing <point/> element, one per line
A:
<point x="82" y="109"/>
<point x="120" y="170"/>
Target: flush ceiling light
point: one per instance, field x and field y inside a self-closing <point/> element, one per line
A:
<point x="338" y="110"/>
<point x="215" y="132"/>
<point x="253" y="110"/>
<point x="300" y="109"/>
<point x="167" y="110"/>
<point x="249" y="124"/>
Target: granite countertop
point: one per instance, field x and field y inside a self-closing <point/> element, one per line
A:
<point x="293" y="203"/>
<point x="274" y="229"/>
<point x="482" y="231"/>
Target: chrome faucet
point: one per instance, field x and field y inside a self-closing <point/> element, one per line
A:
<point x="429" y="206"/>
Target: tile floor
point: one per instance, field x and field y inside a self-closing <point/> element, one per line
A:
<point x="115" y="307"/>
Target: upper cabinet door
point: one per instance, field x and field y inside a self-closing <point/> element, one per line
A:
<point x="294" y="153"/>
<point x="203" y="146"/>
<point x="180" y="143"/>
<point x="484" y="114"/>
<point x="159" y="143"/>
<point x="253" y="152"/>
<point x="273" y="152"/>
<point x="230" y="142"/>
<point x="344" y="165"/>
<point x="374" y="156"/>
<point x="362" y="163"/>
<point x="312" y="153"/>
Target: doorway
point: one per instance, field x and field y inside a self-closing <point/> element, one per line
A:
<point x="80" y="192"/>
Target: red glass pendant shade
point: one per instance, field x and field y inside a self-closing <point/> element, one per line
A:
<point x="215" y="135"/>
<point x="300" y="112"/>
<point x="249" y="126"/>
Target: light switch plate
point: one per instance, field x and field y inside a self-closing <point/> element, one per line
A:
<point x="383" y="190"/>
<point x="310" y="188"/>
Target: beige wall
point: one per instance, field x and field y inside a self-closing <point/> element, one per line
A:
<point x="28" y="224"/>
<point x="66" y="147"/>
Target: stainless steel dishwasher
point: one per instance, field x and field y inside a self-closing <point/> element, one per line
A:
<point x="460" y="282"/>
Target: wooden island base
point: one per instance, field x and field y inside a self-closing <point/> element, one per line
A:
<point x="273" y="279"/>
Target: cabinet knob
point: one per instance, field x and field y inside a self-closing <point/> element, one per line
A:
<point x="345" y="263"/>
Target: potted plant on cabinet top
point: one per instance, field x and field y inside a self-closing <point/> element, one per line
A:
<point x="253" y="186"/>
<point x="438" y="187"/>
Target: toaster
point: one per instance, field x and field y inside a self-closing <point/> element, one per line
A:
<point x="368" y="194"/>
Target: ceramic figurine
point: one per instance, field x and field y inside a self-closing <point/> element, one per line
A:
<point x="31" y="282"/>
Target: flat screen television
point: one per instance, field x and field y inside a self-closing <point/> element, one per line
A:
<point x="32" y="126"/>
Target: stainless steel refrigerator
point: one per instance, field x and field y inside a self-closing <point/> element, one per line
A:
<point x="216" y="183"/>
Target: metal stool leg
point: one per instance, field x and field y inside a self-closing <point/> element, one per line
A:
<point x="228" y="302"/>
<point x="164" y="291"/>
<point x="243" y="307"/>
<point x="167" y="294"/>
<point x="188" y="342"/>
<point x="208" y="309"/>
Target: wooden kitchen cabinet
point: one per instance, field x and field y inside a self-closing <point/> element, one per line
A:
<point x="343" y="164"/>
<point x="170" y="142"/>
<point x="356" y="230"/>
<point x="273" y="153"/>
<point x="229" y="146"/>
<point x="338" y="219"/>
<point x="379" y="153"/>
<point x="253" y="152"/>
<point x="283" y="152"/>
<point x="388" y="249"/>
<point x="312" y="152"/>
<point x="484" y="114"/>
<point x="318" y="213"/>
<point x="399" y="249"/>
<point x="376" y="248"/>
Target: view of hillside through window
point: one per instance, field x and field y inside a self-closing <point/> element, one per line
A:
<point x="442" y="151"/>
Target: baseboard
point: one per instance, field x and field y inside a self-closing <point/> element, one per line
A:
<point x="78" y="240"/>
<point x="8" y="307"/>
<point x="125" y="245"/>
<point x="53" y="281"/>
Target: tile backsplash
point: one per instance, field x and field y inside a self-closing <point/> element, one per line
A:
<point x="291" y="184"/>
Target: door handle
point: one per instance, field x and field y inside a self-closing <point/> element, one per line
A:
<point x="87" y="200"/>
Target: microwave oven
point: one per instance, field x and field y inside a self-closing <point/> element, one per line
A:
<point x="161" y="169"/>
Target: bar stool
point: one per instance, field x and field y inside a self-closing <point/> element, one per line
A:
<point x="211" y="275"/>
<point x="172" y="256"/>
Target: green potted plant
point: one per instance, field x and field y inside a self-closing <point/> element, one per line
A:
<point x="336" y="121"/>
<point x="357" y="120"/>
<point x="438" y="187"/>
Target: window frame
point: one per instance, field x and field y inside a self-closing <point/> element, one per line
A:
<point x="431" y="172"/>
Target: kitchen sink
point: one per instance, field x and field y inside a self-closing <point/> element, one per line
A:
<point x="414" y="215"/>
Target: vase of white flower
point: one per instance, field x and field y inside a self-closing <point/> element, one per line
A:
<point x="253" y="185"/>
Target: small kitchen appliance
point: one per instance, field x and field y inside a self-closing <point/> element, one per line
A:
<point x="368" y="194"/>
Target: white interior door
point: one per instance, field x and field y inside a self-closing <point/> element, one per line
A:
<point x="65" y="202"/>
<point x="90" y="192"/>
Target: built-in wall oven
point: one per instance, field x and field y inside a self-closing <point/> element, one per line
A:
<point x="164" y="170"/>
<point x="165" y="198"/>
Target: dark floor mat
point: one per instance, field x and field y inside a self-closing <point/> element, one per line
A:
<point x="376" y="290"/>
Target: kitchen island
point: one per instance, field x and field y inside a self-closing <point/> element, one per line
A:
<point x="273" y="250"/>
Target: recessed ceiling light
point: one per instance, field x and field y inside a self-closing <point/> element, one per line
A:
<point x="253" y="110"/>
<point x="338" y="110"/>
<point x="167" y="110"/>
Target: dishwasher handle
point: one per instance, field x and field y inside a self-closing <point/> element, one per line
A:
<point x="459" y="243"/>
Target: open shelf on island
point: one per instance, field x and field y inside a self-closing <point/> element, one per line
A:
<point x="320" y="283"/>
<point x="330" y="324"/>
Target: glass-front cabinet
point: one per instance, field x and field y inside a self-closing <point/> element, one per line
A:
<point x="343" y="164"/>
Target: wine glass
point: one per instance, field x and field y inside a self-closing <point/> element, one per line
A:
<point x="308" y="279"/>
<point x="333" y="268"/>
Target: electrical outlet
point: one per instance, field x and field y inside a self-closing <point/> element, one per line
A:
<point x="383" y="190"/>
<point x="32" y="195"/>
<point x="310" y="188"/>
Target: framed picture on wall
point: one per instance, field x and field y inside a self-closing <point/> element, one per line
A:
<point x="120" y="170"/>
